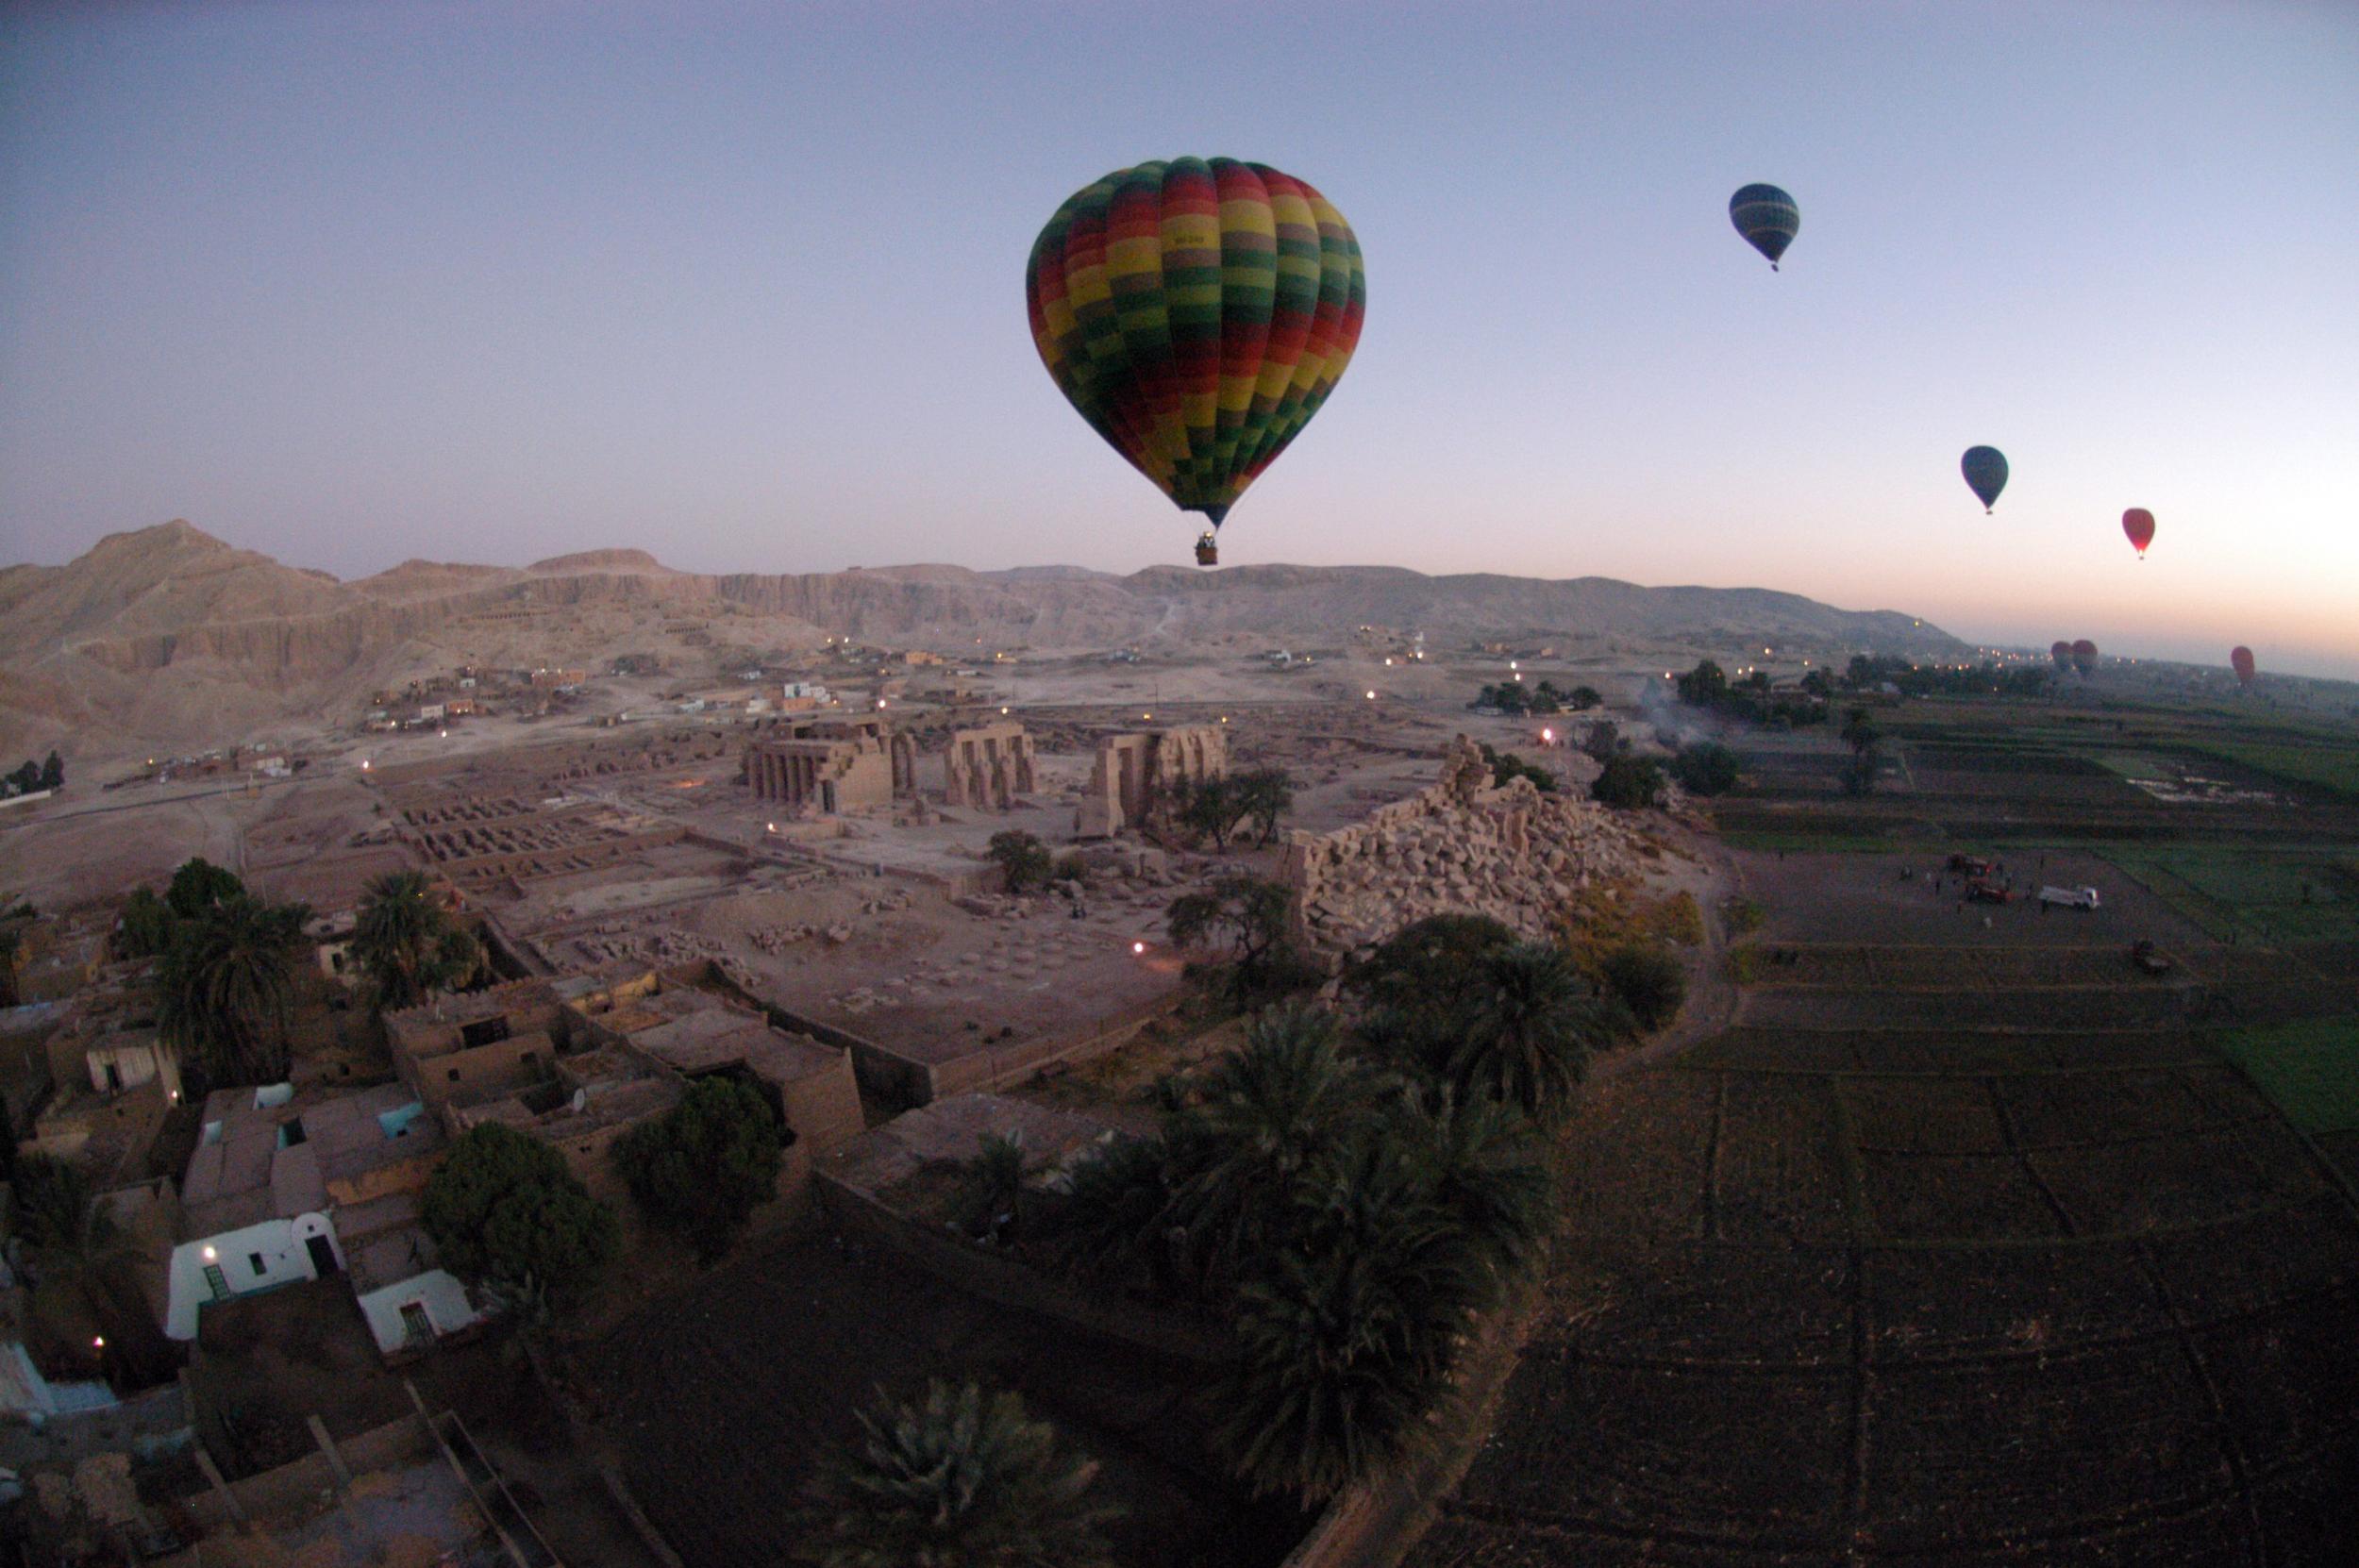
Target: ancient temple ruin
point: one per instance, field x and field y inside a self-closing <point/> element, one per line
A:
<point x="822" y="766"/>
<point x="1136" y="768"/>
<point x="987" y="767"/>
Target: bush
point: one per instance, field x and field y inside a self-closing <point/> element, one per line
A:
<point x="1648" y="980"/>
<point x="1707" y="768"/>
<point x="706" y="1164"/>
<point x="1070" y="867"/>
<point x="200" y="886"/>
<point x="1507" y="765"/>
<point x="1023" y="858"/>
<point x="504" y="1210"/>
<point x="1628" y="782"/>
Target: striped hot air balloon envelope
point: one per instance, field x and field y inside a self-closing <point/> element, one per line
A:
<point x="1197" y="313"/>
<point x="1985" y="470"/>
<point x="1767" y="218"/>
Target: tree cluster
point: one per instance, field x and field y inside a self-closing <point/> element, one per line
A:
<point x="506" y="1213"/>
<point x="48" y="773"/>
<point x="1866" y="672"/>
<point x="704" y="1165"/>
<point x="1507" y="765"/>
<point x="1629" y="782"/>
<point x="1752" y="699"/>
<point x="1345" y="1222"/>
<point x="1515" y="697"/>
<point x="409" y="945"/>
<point x="1216" y="809"/>
<point x="1245" y="923"/>
<point x="1705" y="768"/>
<point x="1022" y="858"/>
<point x="229" y="963"/>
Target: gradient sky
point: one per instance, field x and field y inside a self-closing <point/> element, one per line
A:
<point x="351" y="283"/>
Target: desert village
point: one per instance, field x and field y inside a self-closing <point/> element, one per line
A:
<point x="771" y="881"/>
<point x="918" y="908"/>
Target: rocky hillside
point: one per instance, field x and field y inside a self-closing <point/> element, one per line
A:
<point x="168" y="639"/>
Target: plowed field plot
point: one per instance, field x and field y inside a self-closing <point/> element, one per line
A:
<point x="2017" y="1270"/>
<point x="719" y="1398"/>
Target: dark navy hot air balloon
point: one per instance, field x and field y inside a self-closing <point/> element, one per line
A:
<point x="2059" y="654"/>
<point x="1985" y="470"/>
<point x="1767" y="218"/>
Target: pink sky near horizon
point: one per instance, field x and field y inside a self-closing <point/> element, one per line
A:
<point x="739" y="285"/>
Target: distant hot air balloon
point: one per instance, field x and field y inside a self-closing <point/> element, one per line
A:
<point x="2139" y="524"/>
<point x="2060" y="655"/>
<point x="2240" y="660"/>
<point x="1767" y="218"/>
<point x="1985" y="470"/>
<point x="1197" y="313"/>
<point x="2085" y="656"/>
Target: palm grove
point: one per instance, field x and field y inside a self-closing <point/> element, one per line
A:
<point x="1346" y="1195"/>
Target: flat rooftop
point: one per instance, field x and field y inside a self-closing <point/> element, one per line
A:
<point x="256" y="1161"/>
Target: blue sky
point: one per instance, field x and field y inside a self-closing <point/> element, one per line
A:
<point x="741" y="285"/>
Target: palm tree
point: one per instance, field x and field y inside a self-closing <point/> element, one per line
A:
<point x="409" y="945"/>
<point x="1116" y="1211"/>
<point x="992" y="1200"/>
<point x="956" y="1480"/>
<point x="78" y="1257"/>
<point x="1527" y="1034"/>
<point x="1347" y="1340"/>
<point x="225" y="986"/>
<point x="1268" y="1113"/>
<point x="1488" y="1169"/>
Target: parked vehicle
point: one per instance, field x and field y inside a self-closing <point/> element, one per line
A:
<point x="1972" y="865"/>
<point x="1982" y="890"/>
<point x="2069" y="898"/>
<point x="2150" y="959"/>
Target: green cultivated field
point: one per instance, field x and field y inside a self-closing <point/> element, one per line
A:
<point x="2291" y="896"/>
<point x="2311" y="1069"/>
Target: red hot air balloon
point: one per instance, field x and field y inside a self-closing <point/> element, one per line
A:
<point x="2139" y="524"/>
<point x="2060" y="655"/>
<point x="2240" y="660"/>
<point x="2085" y="656"/>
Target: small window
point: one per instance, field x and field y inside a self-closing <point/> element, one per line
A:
<point x="254" y="1259"/>
<point x="416" y="1327"/>
<point x="454" y="1074"/>
<point x="216" y="1281"/>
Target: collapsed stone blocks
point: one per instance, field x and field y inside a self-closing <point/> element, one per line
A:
<point x="1458" y="847"/>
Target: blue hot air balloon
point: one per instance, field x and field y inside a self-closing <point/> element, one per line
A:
<point x="1985" y="470"/>
<point x="1767" y="218"/>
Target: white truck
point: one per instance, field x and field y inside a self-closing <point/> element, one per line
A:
<point x="2069" y="898"/>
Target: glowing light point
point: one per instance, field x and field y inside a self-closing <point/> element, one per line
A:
<point x="1138" y="947"/>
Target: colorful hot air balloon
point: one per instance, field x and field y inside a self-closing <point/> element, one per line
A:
<point x="2240" y="660"/>
<point x="2085" y="656"/>
<point x="2139" y="524"/>
<point x="1985" y="470"/>
<point x="1197" y="313"/>
<point x="1767" y="218"/>
<point x="2060" y="655"/>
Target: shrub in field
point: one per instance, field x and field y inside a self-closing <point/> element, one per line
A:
<point x="1648" y="979"/>
<point x="1021" y="858"/>
<point x="1628" y="782"/>
<point x="1707" y="768"/>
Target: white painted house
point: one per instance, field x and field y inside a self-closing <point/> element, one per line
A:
<point x="285" y="1188"/>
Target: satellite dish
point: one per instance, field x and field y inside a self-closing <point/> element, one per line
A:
<point x="581" y="1100"/>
